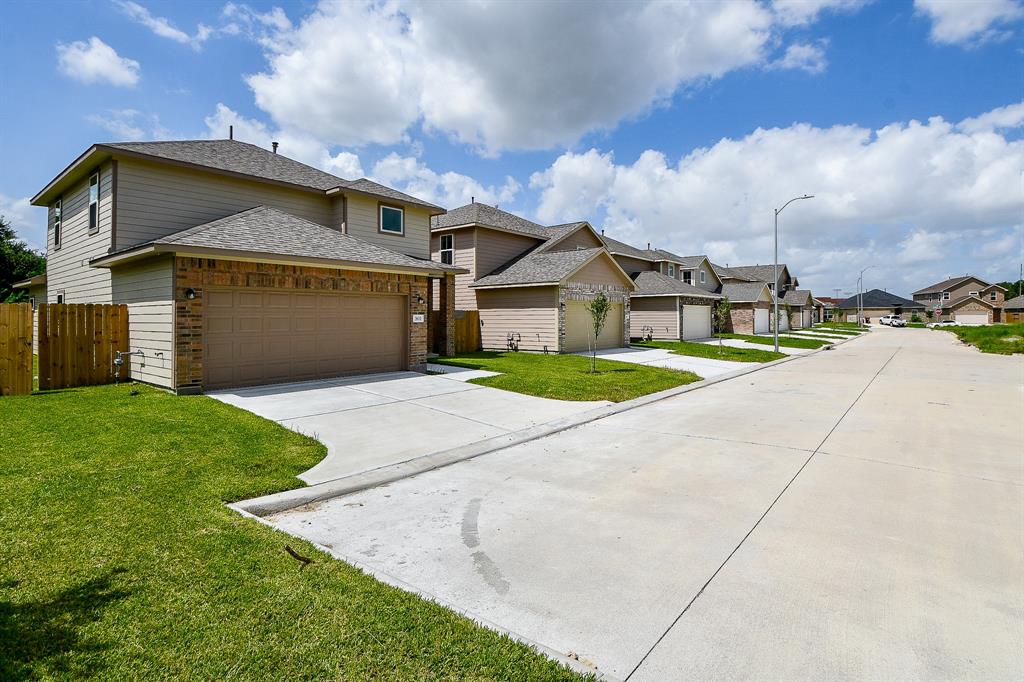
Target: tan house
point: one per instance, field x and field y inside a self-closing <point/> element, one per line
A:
<point x="530" y="283"/>
<point x="800" y="306"/>
<point x="241" y="266"/>
<point x="877" y="303"/>
<point x="675" y="295"/>
<point x="1013" y="310"/>
<point x="965" y="300"/>
<point x="750" y="307"/>
<point x="765" y="274"/>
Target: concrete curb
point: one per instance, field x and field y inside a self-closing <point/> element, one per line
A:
<point x="300" y="497"/>
<point x="397" y="583"/>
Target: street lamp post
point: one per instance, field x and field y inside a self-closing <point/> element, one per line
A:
<point x="860" y="296"/>
<point x="775" y="286"/>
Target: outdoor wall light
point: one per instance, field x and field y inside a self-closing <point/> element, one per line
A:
<point x="419" y="299"/>
<point x="190" y="294"/>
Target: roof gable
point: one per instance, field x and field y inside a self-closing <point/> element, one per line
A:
<point x="951" y="283"/>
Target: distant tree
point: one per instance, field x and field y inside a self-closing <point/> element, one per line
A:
<point x="1013" y="289"/>
<point x="17" y="262"/>
<point x="598" y="309"/>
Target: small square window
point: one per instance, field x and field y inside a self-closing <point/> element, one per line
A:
<point x="945" y="295"/>
<point x="94" y="203"/>
<point x="60" y="297"/>
<point x="448" y="249"/>
<point x="703" y="277"/>
<point x="392" y="220"/>
<point x="671" y="270"/>
<point x="688" y="276"/>
<point x="992" y="296"/>
<point x="972" y="293"/>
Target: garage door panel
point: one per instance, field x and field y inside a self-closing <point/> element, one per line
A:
<point x="579" y="327"/>
<point x="696" y="321"/>
<point x="761" y="321"/>
<point x="257" y="336"/>
<point x="971" y="318"/>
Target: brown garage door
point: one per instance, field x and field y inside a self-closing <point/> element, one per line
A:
<point x="579" y="327"/>
<point x="258" y="336"/>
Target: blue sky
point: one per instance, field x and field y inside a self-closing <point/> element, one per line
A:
<point x="676" y="124"/>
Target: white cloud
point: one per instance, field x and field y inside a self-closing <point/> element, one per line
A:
<point x="809" y="57"/>
<point x="29" y="222"/>
<point x="129" y="124"/>
<point x="163" y="27"/>
<point x="908" y="193"/>
<point x="970" y="23"/>
<point x="344" y="164"/>
<point x="445" y="189"/>
<point x="1002" y="118"/>
<point x="95" y="61"/>
<point x="558" y="71"/>
<point x="803" y="12"/>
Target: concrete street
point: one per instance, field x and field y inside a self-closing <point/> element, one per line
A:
<point x="856" y="513"/>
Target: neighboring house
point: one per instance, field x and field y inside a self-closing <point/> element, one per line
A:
<point x="876" y="303"/>
<point x="967" y="300"/>
<point x="751" y="307"/>
<point x="530" y="283"/>
<point x="761" y="273"/>
<point x="241" y="266"/>
<point x="1013" y="310"/>
<point x="800" y="305"/>
<point x="819" y="310"/>
<point x="36" y="289"/>
<point x="675" y="295"/>
<point x="828" y="307"/>
<point x="765" y="274"/>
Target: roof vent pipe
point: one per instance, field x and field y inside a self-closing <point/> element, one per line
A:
<point x="274" y="145"/>
<point x="231" y="132"/>
<point x="472" y="200"/>
<point x="648" y="246"/>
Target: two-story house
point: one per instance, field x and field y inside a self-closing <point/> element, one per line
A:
<point x="531" y="283"/>
<point x="799" y="303"/>
<point x="675" y="295"/>
<point x="966" y="300"/>
<point x="241" y="266"/>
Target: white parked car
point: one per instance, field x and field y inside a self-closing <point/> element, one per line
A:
<point x="943" y="323"/>
<point x="887" y="319"/>
<point x="897" y="322"/>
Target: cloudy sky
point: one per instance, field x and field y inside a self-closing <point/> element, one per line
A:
<point x="680" y="124"/>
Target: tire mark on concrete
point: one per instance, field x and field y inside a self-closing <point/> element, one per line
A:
<point x="484" y="565"/>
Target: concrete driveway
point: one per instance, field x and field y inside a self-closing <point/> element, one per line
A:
<point x="854" y="514"/>
<point x="372" y="421"/>
<point x="659" y="357"/>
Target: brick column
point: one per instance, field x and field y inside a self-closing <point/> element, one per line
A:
<point x="447" y="301"/>
<point x="188" y="326"/>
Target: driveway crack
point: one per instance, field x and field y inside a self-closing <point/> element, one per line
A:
<point x="761" y="518"/>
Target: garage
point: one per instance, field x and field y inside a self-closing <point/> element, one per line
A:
<point x="696" y="321"/>
<point x="971" y="318"/>
<point x="783" y="320"/>
<point x="807" y="317"/>
<point x="579" y="327"/>
<point x="761" y="319"/>
<point x="263" y="336"/>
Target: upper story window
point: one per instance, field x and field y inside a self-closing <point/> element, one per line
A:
<point x="972" y="293"/>
<point x="688" y="276"/>
<point x="945" y="295"/>
<point x="57" y="206"/>
<point x="94" y="203"/>
<point x="671" y="270"/>
<point x="391" y="219"/>
<point x="992" y="296"/>
<point x="448" y="249"/>
<point x="703" y="277"/>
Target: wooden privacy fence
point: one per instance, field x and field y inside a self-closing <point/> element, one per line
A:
<point x="78" y="344"/>
<point x="467" y="330"/>
<point x="15" y="349"/>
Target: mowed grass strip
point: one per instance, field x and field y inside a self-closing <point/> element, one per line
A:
<point x="568" y="377"/>
<point x="1003" y="339"/>
<point x="120" y="561"/>
<point x="847" y="331"/>
<point x="714" y="351"/>
<point x="784" y="342"/>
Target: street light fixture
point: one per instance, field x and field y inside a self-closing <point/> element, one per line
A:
<point x="775" y="286"/>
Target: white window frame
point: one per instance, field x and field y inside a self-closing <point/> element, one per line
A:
<point x="94" y="203"/>
<point x="449" y="251"/>
<point x="972" y="293"/>
<point x="703" y="277"/>
<point x="380" y="219"/>
<point x="60" y="297"/>
<point x="671" y="270"/>
<point x="945" y="295"/>
<point x="58" y="218"/>
<point x="688" y="276"/>
<point x="992" y="296"/>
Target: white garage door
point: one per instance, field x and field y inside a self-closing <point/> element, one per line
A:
<point x="696" y="321"/>
<point x="761" y="318"/>
<point x="579" y="327"/>
<point x="972" y="318"/>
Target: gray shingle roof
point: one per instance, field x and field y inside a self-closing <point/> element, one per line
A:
<point x="742" y="292"/>
<point x="1016" y="303"/>
<point x="758" y="273"/>
<point x="269" y="231"/>
<point x="946" y="284"/>
<point x="729" y="273"/>
<point x="537" y="267"/>
<point x="876" y="298"/>
<point x="800" y="297"/>
<point x="656" y="284"/>
<point x="248" y="159"/>
<point x="482" y="214"/>
<point x="624" y="249"/>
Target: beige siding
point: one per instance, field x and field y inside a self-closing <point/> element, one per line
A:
<point x="494" y="249"/>
<point x="67" y="270"/>
<point x="600" y="271"/>
<point x="362" y="223"/>
<point x="631" y="265"/>
<point x="465" y="240"/>
<point x="660" y="313"/>
<point x="148" y="289"/>
<point x="580" y="239"/>
<point x="711" y="281"/>
<point x="530" y="312"/>
<point x="155" y="200"/>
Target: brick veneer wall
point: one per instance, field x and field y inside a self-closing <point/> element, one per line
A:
<point x="741" y="317"/>
<point x="587" y="292"/>
<point x="199" y="273"/>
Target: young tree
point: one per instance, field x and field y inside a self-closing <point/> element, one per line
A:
<point x="17" y="262"/>
<point x="722" y="317"/>
<point x="598" y="309"/>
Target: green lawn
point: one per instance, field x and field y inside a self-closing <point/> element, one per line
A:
<point x="119" y="560"/>
<point x="713" y="351"/>
<point x="1004" y="339"/>
<point x="917" y="325"/>
<point x="783" y="341"/>
<point x="842" y="329"/>
<point x="568" y="377"/>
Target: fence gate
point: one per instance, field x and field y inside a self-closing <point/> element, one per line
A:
<point x="15" y="349"/>
<point x="78" y="342"/>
